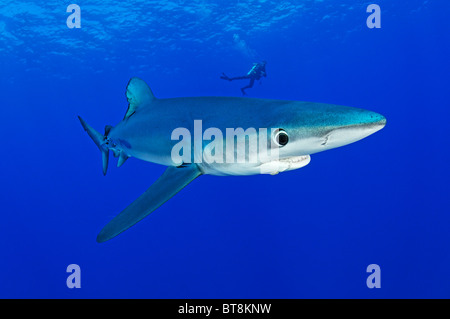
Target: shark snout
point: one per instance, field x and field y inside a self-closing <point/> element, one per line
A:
<point x="363" y="126"/>
<point x="375" y="119"/>
<point x="381" y="121"/>
<point x="373" y="122"/>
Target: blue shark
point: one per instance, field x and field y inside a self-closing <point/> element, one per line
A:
<point x="297" y="130"/>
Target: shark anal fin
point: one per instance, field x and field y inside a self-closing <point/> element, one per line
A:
<point x="168" y="184"/>
<point x="138" y="94"/>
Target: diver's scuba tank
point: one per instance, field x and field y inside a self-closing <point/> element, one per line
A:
<point x="253" y="70"/>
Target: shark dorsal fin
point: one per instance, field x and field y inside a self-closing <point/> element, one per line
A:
<point x="139" y="95"/>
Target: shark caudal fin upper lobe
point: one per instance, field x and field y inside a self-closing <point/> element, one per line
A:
<point x="98" y="139"/>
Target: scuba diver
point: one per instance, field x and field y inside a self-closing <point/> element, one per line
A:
<point x="258" y="70"/>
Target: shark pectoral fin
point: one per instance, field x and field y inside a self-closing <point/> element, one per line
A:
<point x="171" y="182"/>
<point x="139" y="95"/>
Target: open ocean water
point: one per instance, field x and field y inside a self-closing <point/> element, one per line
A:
<point x="307" y="233"/>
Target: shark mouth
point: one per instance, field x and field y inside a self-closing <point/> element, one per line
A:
<point x="285" y="164"/>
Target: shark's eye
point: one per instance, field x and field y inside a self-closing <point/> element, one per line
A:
<point x="280" y="137"/>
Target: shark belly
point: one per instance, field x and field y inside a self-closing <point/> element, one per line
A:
<point x="272" y="167"/>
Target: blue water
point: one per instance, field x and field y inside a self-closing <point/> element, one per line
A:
<point x="309" y="233"/>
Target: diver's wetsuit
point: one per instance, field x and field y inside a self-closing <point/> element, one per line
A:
<point x="258" y="70"/>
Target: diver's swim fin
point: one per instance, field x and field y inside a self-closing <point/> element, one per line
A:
<point x="171" y="182"/>
<point x="225" y="77"/>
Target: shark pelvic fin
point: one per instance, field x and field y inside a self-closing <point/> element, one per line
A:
<point x="168" y="184"/>
<point x="139" y="95"/>
<point x="98" y="140"/>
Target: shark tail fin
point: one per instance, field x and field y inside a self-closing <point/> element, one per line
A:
<point x="98" y="139"/>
